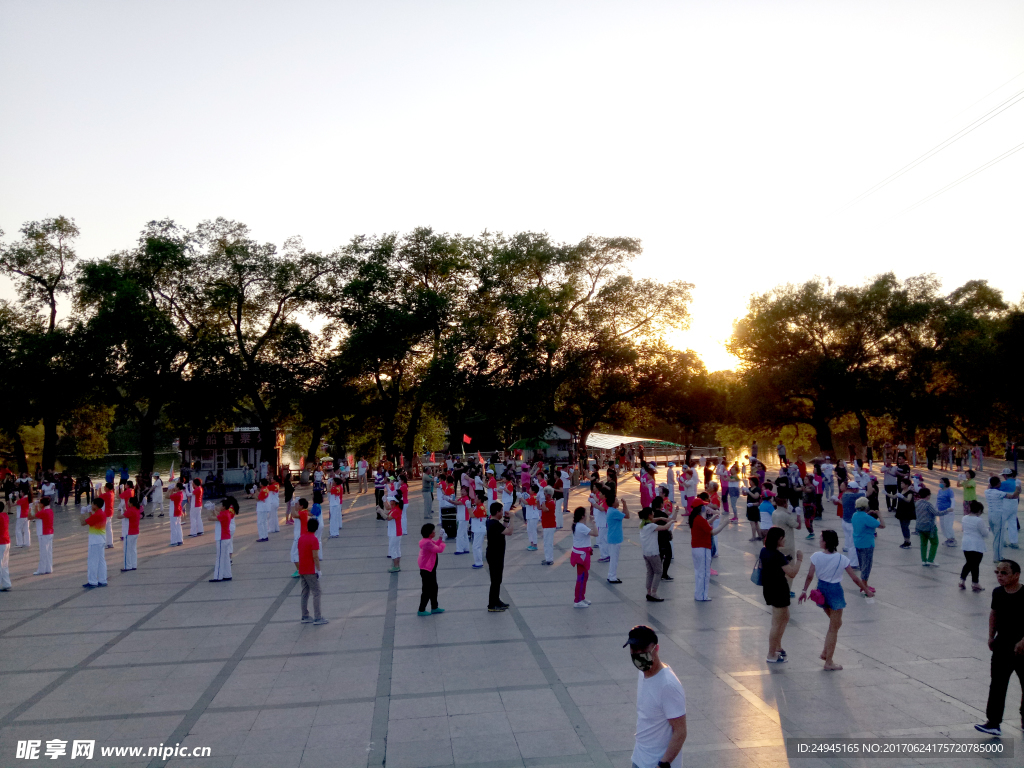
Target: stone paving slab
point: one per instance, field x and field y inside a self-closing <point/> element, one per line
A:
<point x="162" y="656"/>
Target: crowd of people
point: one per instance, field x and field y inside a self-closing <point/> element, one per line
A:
<point x="479" y="502"/>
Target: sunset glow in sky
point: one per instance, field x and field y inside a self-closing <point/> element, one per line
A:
<point x="727" y="136"/>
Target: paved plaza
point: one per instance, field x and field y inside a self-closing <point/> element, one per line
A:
<point x="161" y="656"/>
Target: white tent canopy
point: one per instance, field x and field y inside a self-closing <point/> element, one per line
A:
<point x="608" y="442"/>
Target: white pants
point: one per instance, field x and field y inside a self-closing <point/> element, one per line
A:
<point x="997" y="524"/>
<point x="394" y="547"/>
<point x="602" y="540"/>
<point x="131" y="555"/>
<point x="5" y="571"/>
<point x="273" y="521"/>
<point x="295" y="541"/>
<point x="261" y="523"/>
<point x="231" y="541"/>
<point x="946" y="526"/>
<point x="405" y="520"/>
<point x="851" y="551"/>
<point x="39" y="528"/>
<point x="158" y="504"/>
<point x="462" y="537"/>
<point x="124" y="527"/>
<point x="195" y="521"/>
<point x="1010" y="522"/>
<point x="549" y="544"/>
<point x="176" y="530"/>
<point x="97" y="563"/>
<point x="701" y="572"/>
<point x="45" y="554"/>
<point x="222" y="565"/>
<point x="109" y="534"/>
<point x="336" y="519"/>
<point x="531" y="530"/>
<point x="22" y="533"/>
<point x="613" y="562"/>
<point x="478" y="547"/>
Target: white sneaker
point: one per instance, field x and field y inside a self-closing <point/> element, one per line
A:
<point x="587" y="602"/>
<point x="581" y="604"/>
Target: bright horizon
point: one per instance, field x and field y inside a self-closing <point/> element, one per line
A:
<point x="727" y="136"/>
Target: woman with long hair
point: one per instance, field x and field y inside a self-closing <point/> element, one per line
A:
<point x="828" y="565"/>
<point x="905" y="511"/>
<point x="581" y="551"/>
<point x="776" y="570"/>
<point x="753" y="494"/>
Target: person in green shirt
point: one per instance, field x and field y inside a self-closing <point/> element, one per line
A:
<point x="970" y="486"/>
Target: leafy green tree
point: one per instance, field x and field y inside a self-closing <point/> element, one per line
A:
<point x="40" y="264"/>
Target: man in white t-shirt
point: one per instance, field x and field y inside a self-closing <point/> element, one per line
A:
<point x="660" y="705"/>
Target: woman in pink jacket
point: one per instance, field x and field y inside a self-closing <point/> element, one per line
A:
<point x="430" y="548"/>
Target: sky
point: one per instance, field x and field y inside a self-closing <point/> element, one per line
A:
<point x="729" y="137"/>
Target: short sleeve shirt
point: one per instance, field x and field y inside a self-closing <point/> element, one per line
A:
<point x="46" y="516"/>
<point x="132" y="515"/>
<point x="615" y="518"/>
<point x="308" y="543"/>
<point x="224" y="518"/>
<point x="495" y="538"/>
<point x="658" y="699"/>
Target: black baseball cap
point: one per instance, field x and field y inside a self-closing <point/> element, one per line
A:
<point x="641" y="636"/>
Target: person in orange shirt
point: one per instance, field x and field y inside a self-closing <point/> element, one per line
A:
<point x="548" y="524"/>
<point x="176" y="496"/>
<point x="130" y="514"/>
<point x="492" y="487"/>
<point x="223" y="517"/>
<point x="108" y="510"/>
<point x="44" y="513"/>
<point x="273" y="505"/>
<point x="97" y="521"/>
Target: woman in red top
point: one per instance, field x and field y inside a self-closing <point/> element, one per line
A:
<point x="5" y="550"/>
<point x="176" y="496"/>
<point x="701" y="520"/>
<point x="22" y="530"/>
<point x="43" y="512"/>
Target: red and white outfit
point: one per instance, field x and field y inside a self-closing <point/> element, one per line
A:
<point x="132" y="514"/>
<point x="478" y="525"/>
<point x="195" y="515"/>
<point x="176" y="497"/>
<point x="97" y="561"/>
<point x="508" y="495"/>
<point x="45" y="519"/>
<point x="108" y="509"/>
<point x="22" y="530"/>
<point x="337" y="497"/>
<point x="222" y="565"/>
<point x="531" y="510"/>
<point x="273" y="505"/>
<point x="599" y="510"/>
<point x="5" y="552"/>
<point x="262" y="514"/>
<point x="126" y="498"/>
<point x="465" y="508"/>
<point x="395" y="533"/>
<point x="548" y="520"/>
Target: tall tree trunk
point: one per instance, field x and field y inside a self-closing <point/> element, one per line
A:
<point x="823" y="434"/>
<point x="414" y="426"/>
<point x="49" y="439"/>
<point x="19" y="451"/>
<point x="314" y="443"/>
<point x="862" y="427"/>
<point x="146" y="441"/>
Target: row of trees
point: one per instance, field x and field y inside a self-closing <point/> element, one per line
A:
<point x="381" y="343"/>
<point x="902" y="358"/>
<point x="389" y="340"/>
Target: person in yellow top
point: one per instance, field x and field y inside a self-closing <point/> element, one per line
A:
<point x="97" y="561"/>
<point x="970" y="486"/>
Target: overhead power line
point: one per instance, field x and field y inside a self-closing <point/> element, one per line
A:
<point x="939" y="147"/>
<point x="964" y="178"/>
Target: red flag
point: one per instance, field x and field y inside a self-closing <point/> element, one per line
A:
<point x="401" y="459"/>
<point x="431" y="457"/>
<point x="467" y="439"/>
<point x="479" y="457"/>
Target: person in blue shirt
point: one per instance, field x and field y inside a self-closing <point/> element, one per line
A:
<point x="864" y="525"/>
<point x="614" y="518"/>
<point x="849" y="501"/>
<point x="1010" y="525"/>
<point x="110" y="476"/>
<point x="944" y="506"/>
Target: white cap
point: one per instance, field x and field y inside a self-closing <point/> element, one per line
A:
<point x="853" y="485"/>
<point x="671" y="463"/>
<point x="1006" y="471"/>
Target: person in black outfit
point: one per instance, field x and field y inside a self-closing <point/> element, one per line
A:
<point x="660" y="517"/>
<point x="1006" y="641"/>
<point x="775" y="567"/>
<point x="497" y="529"/>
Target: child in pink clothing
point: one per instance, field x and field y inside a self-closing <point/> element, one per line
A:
<point x="430" y="548"/>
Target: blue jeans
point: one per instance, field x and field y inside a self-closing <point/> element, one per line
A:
<point x="865" y="556"/>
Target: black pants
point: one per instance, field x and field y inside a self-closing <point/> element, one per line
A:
<point x="971" y="566"/>
<point x="1004" y="663"/>
<point x="429" y="592"/>
<point x="378" y="497"/>
<point x="346" y="481"/>
<point x="890" y="504"/>
<point x="496" y="565"/>
<point x="665" y="550"/>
